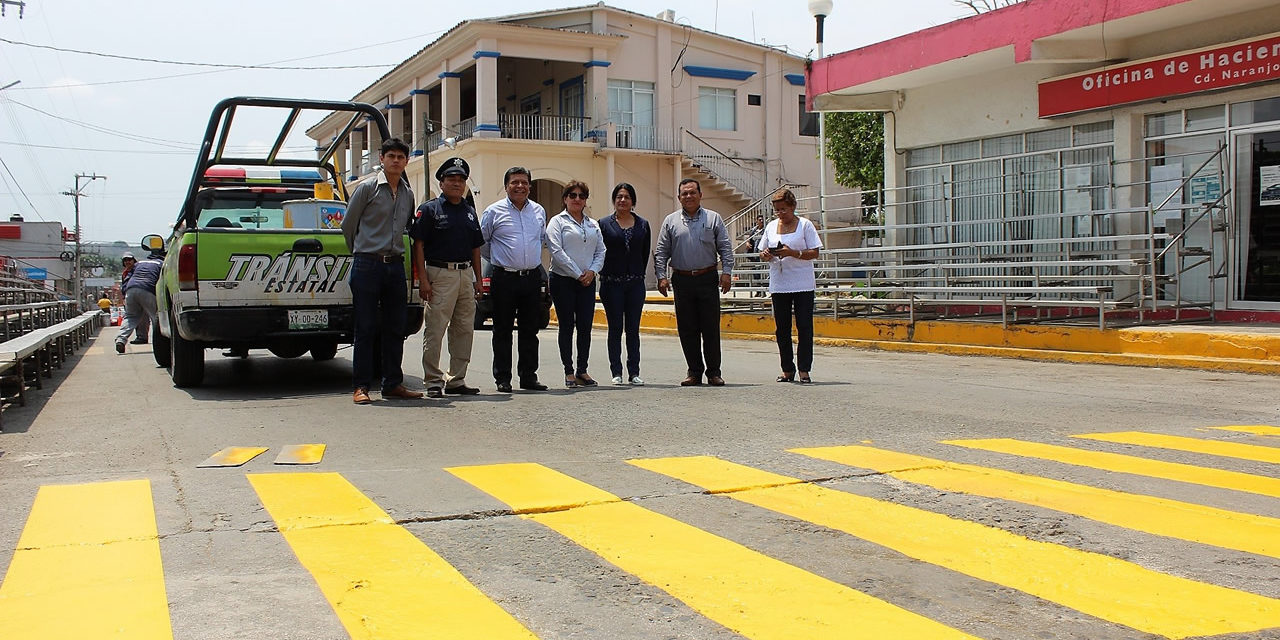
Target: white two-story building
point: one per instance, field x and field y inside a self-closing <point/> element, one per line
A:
<point x="602" y="95"/>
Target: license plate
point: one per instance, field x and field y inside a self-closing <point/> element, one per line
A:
<point x="308" y="319"/>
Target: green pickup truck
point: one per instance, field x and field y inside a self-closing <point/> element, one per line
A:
<point x="257" y="259"/>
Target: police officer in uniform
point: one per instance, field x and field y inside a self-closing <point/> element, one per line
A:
<point x="446" y="248"/>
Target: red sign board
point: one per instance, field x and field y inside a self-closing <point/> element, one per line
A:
<point x="1220" y="67"/>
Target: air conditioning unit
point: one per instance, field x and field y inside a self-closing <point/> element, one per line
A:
<point x="624" y="139"/>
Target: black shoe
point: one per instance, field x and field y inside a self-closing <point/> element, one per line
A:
<point x="120" y="346"/>
<point x="138" y="341"/>
<point x="504" y="387"/>
<point x="434" y="392"/>
<point x="461" y="390"/>
<point x="533" y="385"/>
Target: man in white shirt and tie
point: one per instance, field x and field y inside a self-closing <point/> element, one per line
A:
<point x="513" y="235"/>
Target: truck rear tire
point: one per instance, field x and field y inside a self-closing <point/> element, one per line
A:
<point x="160" y="348"/>
<point x="186" y="365"/>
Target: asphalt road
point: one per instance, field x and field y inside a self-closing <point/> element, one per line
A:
<point x="661" y="562"/>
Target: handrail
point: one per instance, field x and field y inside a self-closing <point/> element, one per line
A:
<point x="719" y="164"/>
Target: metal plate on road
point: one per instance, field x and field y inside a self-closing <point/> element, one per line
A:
<point x="232" y="457"/>
<point x="308" y="319"/>
<point x="301" y="454"/>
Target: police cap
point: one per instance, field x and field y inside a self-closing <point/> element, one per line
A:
<point x="453" y="167"/>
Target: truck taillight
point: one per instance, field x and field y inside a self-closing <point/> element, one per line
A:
<point x="187" y="267"/>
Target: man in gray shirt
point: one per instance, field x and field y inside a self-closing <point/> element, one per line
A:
<point x="374" y="225"/>
<point x="689" y="242"/>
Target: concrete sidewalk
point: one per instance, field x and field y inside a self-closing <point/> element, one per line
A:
<point x="1252" y="348"/>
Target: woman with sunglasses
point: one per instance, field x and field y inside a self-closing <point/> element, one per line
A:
<point x="577" y="254"/>
<point x="790" y="244"/>
<point x="627" y="247"/>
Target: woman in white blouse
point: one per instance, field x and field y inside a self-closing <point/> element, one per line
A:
<point x="789" y="245"/>
<point x="577" y="253"/>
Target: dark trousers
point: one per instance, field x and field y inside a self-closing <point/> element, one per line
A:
<point x="801" y="303"/>
<point x="516" y="299"/>
<point x="698" y="321"/>
<point x="623" y="304"/>
<point x="379" y="294"/>
<point x="575" y="309"/>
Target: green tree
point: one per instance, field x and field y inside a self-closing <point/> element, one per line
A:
<point x="855" y="145"/>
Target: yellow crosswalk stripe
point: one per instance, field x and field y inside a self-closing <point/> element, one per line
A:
<point x="1256" y="453"/>
<point x="87" y="566"/>
<point x="748" y="592"/>
<point x="383" y="582"/>
<point x="1121" y="463"/>
<point x="1255" y="429"/>
<point x="1101" y="586"/>
<point x="1159" y="516"/>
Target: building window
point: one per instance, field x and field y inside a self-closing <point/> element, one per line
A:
<point x="808" y="120"/>
<point x="1009" y="187"/>
<point x="631" y="102"/>
<point x="718" y="108"/>
<point x="631" y="111"/>
<point x="753" y="99"/>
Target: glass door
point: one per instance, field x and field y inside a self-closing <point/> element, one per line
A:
<point x="1257" y="197"/>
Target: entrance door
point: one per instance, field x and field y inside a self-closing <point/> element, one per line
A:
<point x="1257" y="196"/>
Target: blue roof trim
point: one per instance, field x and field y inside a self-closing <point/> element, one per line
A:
<point x="717" y="72"/>
<point x="796" y="79"/>
<point x="596" y="63"/>
<point x="488" y="127"/>
<point x="393" y="105"/>
<point x="417" y="152"/>
<point x="419" y="92"/>
<point x="449" y="74"/>
<point x="486" y="54"/>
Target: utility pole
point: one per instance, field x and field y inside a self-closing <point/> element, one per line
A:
<point x="76" y="276"/>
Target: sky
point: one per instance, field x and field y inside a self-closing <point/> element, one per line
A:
<point x="138" y="123"/>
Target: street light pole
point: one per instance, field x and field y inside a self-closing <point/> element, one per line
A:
<point x="76" y="282"/>
<point x="820" y="9"/>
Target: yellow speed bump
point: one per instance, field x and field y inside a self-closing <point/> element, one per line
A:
<point x="748" y="592"/>
<point x="1159" y="516"/>
<point x="232" y="457"/>
<point x="1120" y="463"/>
<point x="1256" y="453"/>
<point x="87" y="566"/>
<point x="1098" y="585"/>
<point x="301" y="454"/>
<point x="382" y="581"/>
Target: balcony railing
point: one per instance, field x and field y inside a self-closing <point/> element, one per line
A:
<point x="640" y="137"/>
<point x="526" y="126"/>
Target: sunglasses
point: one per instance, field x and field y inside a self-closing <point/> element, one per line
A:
<point x="576" y="196"/>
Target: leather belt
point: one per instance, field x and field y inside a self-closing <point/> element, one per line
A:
<point x="694" y="272"/>
<point x="387" y="259"/>
<point x="517" y="272"/>
<point x="449" y="265"/>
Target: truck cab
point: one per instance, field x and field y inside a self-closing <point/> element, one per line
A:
<point x="257" y="259"/>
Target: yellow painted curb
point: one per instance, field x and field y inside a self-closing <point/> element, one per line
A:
<point x="1180" y="347"/>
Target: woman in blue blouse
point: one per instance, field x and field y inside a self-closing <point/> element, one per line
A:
<point x="577" y="254"/>
<point x="627" y="247"/>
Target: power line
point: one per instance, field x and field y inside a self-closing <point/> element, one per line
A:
<point x="182" y="63"/>
<point x="20" y="190"/>
<point x="60" y="147"/>
<point x="100" y="129"/>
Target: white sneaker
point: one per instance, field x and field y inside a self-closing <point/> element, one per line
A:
<point x="637" y="381"/>
<point x="618" y="380"/>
